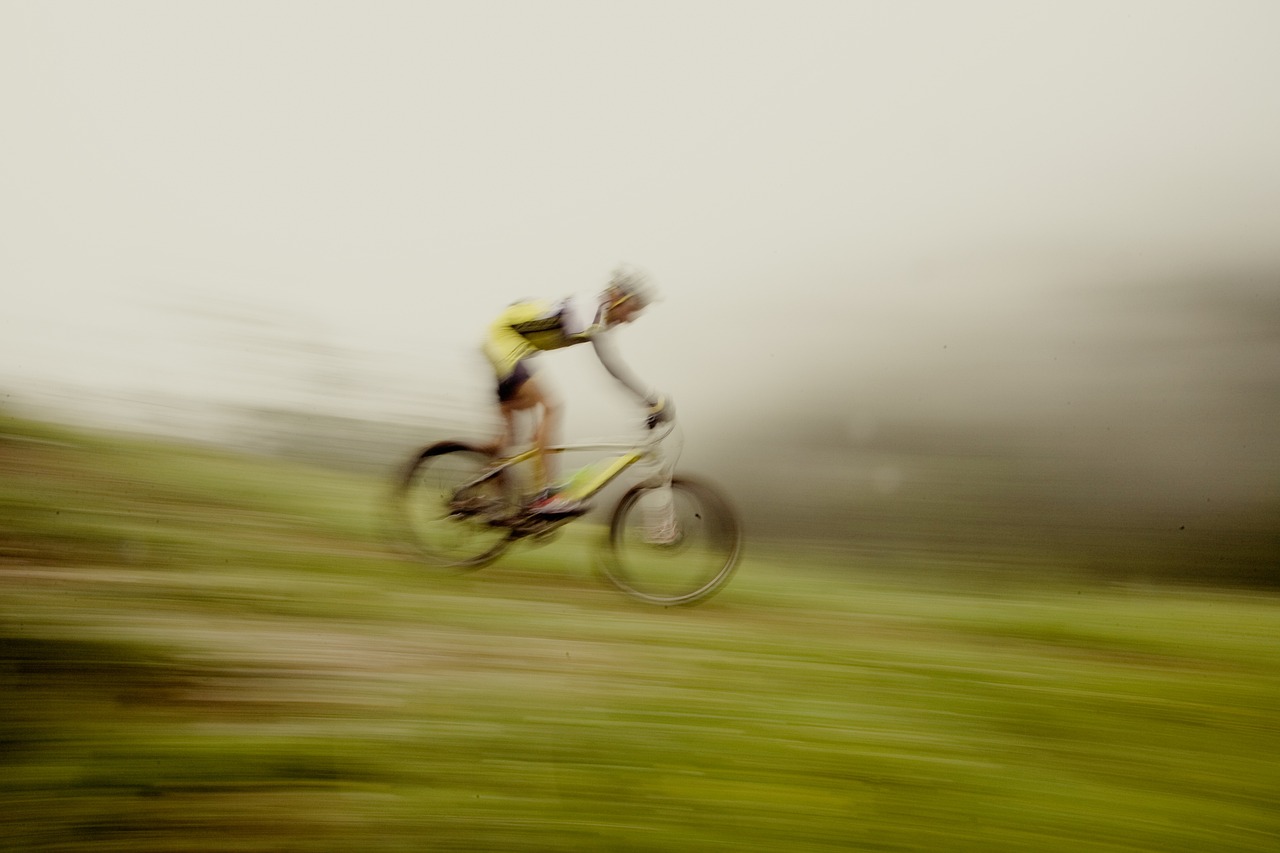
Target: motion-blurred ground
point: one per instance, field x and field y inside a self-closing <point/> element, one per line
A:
<point x="210" y="651"/>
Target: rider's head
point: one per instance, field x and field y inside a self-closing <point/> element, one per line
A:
<point x="629" y="291"/>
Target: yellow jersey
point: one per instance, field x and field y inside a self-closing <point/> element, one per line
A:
<point x="531" y="326"/>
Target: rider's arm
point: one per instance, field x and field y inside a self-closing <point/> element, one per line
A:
<point x="618" y="370"/>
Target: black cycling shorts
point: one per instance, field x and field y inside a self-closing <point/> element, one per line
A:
<point x="508" y="386"/>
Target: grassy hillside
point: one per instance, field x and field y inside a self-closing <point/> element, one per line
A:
<point x="202" y="651"/>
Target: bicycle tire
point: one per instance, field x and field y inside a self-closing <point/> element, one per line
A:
<point x="688" y="570"/>
<point x="428" y="502"/>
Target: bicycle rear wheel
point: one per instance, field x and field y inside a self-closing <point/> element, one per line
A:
<point x="689" y="563"/>
<point x="449" y="522"/>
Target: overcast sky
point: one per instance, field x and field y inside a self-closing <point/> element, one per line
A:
<point x="195" y="194"/>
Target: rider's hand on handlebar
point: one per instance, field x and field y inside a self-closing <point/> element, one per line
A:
<point x="660" y="411"/>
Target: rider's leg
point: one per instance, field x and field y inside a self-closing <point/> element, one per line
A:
<point x="532" y="396"/>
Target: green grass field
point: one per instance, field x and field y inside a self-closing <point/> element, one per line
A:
<point x="208" y="652"/>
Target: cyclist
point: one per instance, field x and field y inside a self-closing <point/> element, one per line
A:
<point x="531" y="326"/>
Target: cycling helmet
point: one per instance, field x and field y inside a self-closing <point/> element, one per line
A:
<point x="633" y="283"/>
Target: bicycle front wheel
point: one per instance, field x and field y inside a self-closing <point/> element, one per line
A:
<point x="449" y="511"/>
<point x="681" y="552"/>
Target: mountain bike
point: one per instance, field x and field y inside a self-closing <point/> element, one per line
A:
<point x="670" y="540"/>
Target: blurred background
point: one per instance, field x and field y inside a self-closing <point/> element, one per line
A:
<point x="935" y="276"/>
<point x="972" y="308"/>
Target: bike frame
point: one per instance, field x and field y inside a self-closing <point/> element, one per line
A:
<point x="592" y="477"/>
